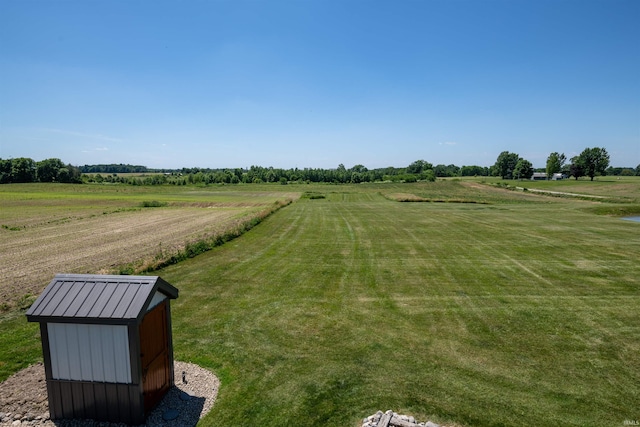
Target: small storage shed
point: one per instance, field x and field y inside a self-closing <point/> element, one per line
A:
<point x="107" y="345"/>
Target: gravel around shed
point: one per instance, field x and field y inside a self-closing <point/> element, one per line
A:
<point x="23" y="400"/>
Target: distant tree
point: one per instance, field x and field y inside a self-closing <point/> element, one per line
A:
<point x="505" y="164"/>
<point x="419" y="166"/>
<point x="555" y="162"/>
<point x="638" y="170"/>
<point x="618" y="171"/>
<point x="576" y="168"/>
<point x="428" y="175"/>
<point x="23" y="169"/>
<point x="5" y="171"/>
<point x="594" y="161"/>
<point x="359" y="169"/>
<point x="523" y="169"/>
<point x="47" y="170"/>
<point x="69" y="174"/>
<point x="474" y="171"/>
<point x="446" y="170"/>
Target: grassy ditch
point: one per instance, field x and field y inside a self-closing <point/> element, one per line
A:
<point x="196" y="247"/>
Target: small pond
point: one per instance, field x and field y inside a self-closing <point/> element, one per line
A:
<point x="632" y="218"/>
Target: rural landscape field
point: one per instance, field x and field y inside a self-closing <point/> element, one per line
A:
<point x="458" y="301"/>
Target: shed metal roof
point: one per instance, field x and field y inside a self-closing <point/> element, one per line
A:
<point x="96" y="298"/>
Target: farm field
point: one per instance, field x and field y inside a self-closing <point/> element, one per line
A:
<point x="500" y="308"/>
<point x="86" y="229"/>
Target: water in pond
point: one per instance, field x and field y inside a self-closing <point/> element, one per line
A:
<point x="632" y="218"/>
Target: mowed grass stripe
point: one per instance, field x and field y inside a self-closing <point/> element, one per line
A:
<point x="334" y="308"/>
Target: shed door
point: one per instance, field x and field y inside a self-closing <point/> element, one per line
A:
<point x="155" y="356"/>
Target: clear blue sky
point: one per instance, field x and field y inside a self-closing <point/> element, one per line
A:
<point x="316" y="83"/>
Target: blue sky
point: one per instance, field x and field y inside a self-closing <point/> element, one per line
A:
<point x="317" y="83"/>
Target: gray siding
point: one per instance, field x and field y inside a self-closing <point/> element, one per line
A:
<point x="89" y="352"/>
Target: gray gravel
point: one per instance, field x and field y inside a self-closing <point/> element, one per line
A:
<point x="23" y="400"/>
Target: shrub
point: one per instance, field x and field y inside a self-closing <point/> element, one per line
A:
<point x="153" y="204"/>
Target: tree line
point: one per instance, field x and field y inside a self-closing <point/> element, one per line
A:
<point x="591" y="162"/>
<point x="420" y="170"/>
<point x="24" y="169"/>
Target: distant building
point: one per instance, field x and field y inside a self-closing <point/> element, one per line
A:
<point x="538" y="176"/>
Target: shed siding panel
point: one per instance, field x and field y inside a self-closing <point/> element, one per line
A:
<point x="78" y="400"/>
<point x="108" y="357"/>
<point x="90" y="352"/>
<point x="102" y="410"/>
<point x="122" y="361"/>
<point x="67" y="399"/>
<point x="55" y="399"/>
<point x="86" y="357"/>
<point x="89" y="396"/>
<point x="97" y="362"/>
<point x="58" y="348"/>
<point x="73" y="352"/>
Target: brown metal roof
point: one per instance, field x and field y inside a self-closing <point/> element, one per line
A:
<point x="96" y="298"/>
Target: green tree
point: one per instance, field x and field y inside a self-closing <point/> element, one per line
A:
<point x="48" y="170"/>
<point x="359" y="169"/>
<point x="419" y="166"/>
<point x="638" y="170"/>
<point x="5" y="171"/>
<point x="576" y="168"/>
<point x="505" y="164"/>
<point x="446" y="170"/>
<point x="70" y="174"/>
<point x="429" y="175"/>
<point x="23" y="169"/>
<point x="523" y="169"/>
<point x="474" y="171"/>
<point x="555" y="162"/>
<point x="594" y="161"/>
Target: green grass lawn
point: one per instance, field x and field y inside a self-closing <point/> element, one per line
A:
<point x="522" y="310"/>
<point x="503" y="314"/>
